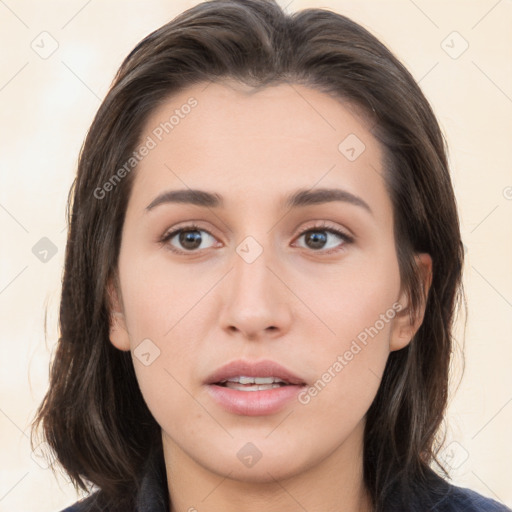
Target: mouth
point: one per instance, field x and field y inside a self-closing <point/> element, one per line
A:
<point x="253" y="389"/>
<point x="257" y="373"/>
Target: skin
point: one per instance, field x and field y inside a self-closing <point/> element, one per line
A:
<point x="294" y="304"/>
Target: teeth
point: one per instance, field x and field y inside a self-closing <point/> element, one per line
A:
<point x="245" y="387"/>
<point x="254" y="380"/>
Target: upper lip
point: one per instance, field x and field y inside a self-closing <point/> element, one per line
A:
<point x="265" y="368"/>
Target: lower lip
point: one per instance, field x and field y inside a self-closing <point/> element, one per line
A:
<point x="253" y="403"/>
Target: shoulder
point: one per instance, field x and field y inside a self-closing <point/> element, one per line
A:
<point x="89" y="504"/>
<point x="148" y="493"/>
<point x="461" y="499"/>
<point x="433" y="493"/>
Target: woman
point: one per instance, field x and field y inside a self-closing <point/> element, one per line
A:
<point x="263" y="267"/>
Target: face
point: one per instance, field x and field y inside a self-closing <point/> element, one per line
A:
<point x="249" y="271"/>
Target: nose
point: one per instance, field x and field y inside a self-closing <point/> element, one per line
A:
<point x="258" y="302"/>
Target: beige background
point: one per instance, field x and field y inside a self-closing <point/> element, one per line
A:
<point x="47" y="105"/>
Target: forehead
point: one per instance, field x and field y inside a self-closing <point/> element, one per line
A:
<point x="281" y="137"/>
<point x="232" y="110"/>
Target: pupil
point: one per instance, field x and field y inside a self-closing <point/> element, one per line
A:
<point x="192" y="237"/>
<point x="318" y="239"/>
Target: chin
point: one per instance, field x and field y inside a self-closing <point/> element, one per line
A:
<point x="257" y="465"/>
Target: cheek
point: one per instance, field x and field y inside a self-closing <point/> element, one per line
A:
<point x="165" y="392"/>
<point x="156" y="296"/>
<point x="359" y="306"/>
<point x="354" y="360"/>
<point x="159" y="311"/>
<point x="352" y="297"/>
<point x="349" y="369"/>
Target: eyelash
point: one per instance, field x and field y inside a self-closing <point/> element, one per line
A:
<point x="322" y="227"/>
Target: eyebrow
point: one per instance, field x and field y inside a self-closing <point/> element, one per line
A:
<point x="299" y="198"/>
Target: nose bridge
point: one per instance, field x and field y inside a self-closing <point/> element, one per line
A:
<point x="256" y="249"/>
<point x="251" y="277"/>
<point x="255" y="299"/>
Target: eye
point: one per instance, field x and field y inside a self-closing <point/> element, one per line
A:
<point x="188" y="237"/>
<point x="317" y="238"/>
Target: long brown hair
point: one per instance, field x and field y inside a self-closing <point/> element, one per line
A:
<point x="93" y="416"/>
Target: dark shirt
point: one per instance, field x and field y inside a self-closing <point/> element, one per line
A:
<point x="153" y="496"/>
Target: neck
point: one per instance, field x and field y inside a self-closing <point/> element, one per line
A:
<point x="332" y="485"/>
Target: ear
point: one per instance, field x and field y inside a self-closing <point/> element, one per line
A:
<point x="118" y="333"/>
<point x="404" y="327"/>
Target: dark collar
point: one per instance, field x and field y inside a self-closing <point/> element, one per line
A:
<point x="153" y="495"/>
